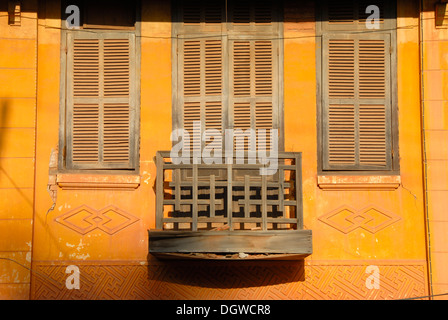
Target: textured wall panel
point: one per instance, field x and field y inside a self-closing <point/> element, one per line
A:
<point x="217" y="280"/>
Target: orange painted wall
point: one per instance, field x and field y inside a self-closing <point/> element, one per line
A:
<point x="435" y="106"/>
<point x="17" y="149"/>
<point x="120" y="250"/>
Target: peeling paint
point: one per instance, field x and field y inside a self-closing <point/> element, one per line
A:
<point x="70" y="245"/>
<point x="79" y="256"/>
<point x="146" y="179"/>
<point x="80" y="245"/>
<point x="28" y="254"/>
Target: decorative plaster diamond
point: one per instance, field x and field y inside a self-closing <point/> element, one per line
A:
<point x="347" y="219"/>
<point x="85" y="219"/>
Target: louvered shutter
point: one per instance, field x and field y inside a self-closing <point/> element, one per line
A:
<point x="201" y="15"/>
<point x="201" y="67"/>
<point x="100" y="101"/>
<point x="356" y="102"/>
<point x="201" y="84"/>
<point x="346" y="15"/>
<point x="253" y="17"/>
<point x="254" y="89"/>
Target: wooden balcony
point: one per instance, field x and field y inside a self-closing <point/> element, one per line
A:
<point x="229" y="211"/>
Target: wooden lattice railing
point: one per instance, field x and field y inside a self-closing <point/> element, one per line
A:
<point x="236" y="197"/>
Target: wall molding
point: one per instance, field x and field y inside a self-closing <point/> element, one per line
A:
<point x="353" y="183"/>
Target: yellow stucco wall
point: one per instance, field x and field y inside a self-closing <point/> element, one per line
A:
<point x="397" y="248"/>
<point x="18" y="56"/>
<point x="435" y="108"/>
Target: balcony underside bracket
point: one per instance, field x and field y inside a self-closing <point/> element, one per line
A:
<point x="225" y="245"/>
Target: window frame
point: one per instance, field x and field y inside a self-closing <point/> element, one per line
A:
<point x="321" y="11"/>
<point x="176" y="31"/>
<point x="64" y="126"/>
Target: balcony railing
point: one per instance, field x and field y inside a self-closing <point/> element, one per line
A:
<point x="229" y="208"/>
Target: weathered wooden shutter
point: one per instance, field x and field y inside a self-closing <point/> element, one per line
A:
<point x="254" y="78"/>
<point x="357" y="85"/>
<point x="202" y="13"/>
<point x="201" y="85"/>
<point x="349" y="15"/>
<point x="356" y="102"/>
<point x="254" y="87"/>
<point x="100" y="101"/>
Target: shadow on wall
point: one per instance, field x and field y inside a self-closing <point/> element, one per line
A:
<point x="228" y="274"/>
<point x="5" y="111"/>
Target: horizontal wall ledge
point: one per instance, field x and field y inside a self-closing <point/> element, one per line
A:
<point x="97" y="181"/>
<point x="231" y="245"/>
<point x="349" y="182"/>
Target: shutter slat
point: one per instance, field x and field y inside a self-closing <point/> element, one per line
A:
<point x="191" y="13"/>
<point x="341" y="134"/>
<point x="116" y="144"/>
<point x="202" y="67"/>
<point x="242" y="120"/>
<point x="372" y="135"/>
<point x="192" y="114"/>
<point x="213" y="115"/>
<point x="350" y="13"/>
<point x="197" y="12"/>
<point x="192" y="68"/>
<point x="372" y="69"/>
<point x="263" y="68"/>
<point x="86" y="66"/>
<point x="213" y="67"/>
<point x="85" y="132"/>
<point x="242" y="68"/>
<point x="213" y="120"/>
<point x="341" y="12"/>
<point x="247" y="12"/>
<point x="264" y="120"/>
<point x="341" y="68"/>
<point x="116" y="68"/>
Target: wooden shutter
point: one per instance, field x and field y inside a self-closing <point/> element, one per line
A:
<point x="351" y="15"/>
<point x="356" y="102"/>
<point x="254" y="93"/>
<point x="100" y="100"/>
<point x="253" y="16"/>
<point x="201" y="84"/>
<point x="198" y="16"/>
